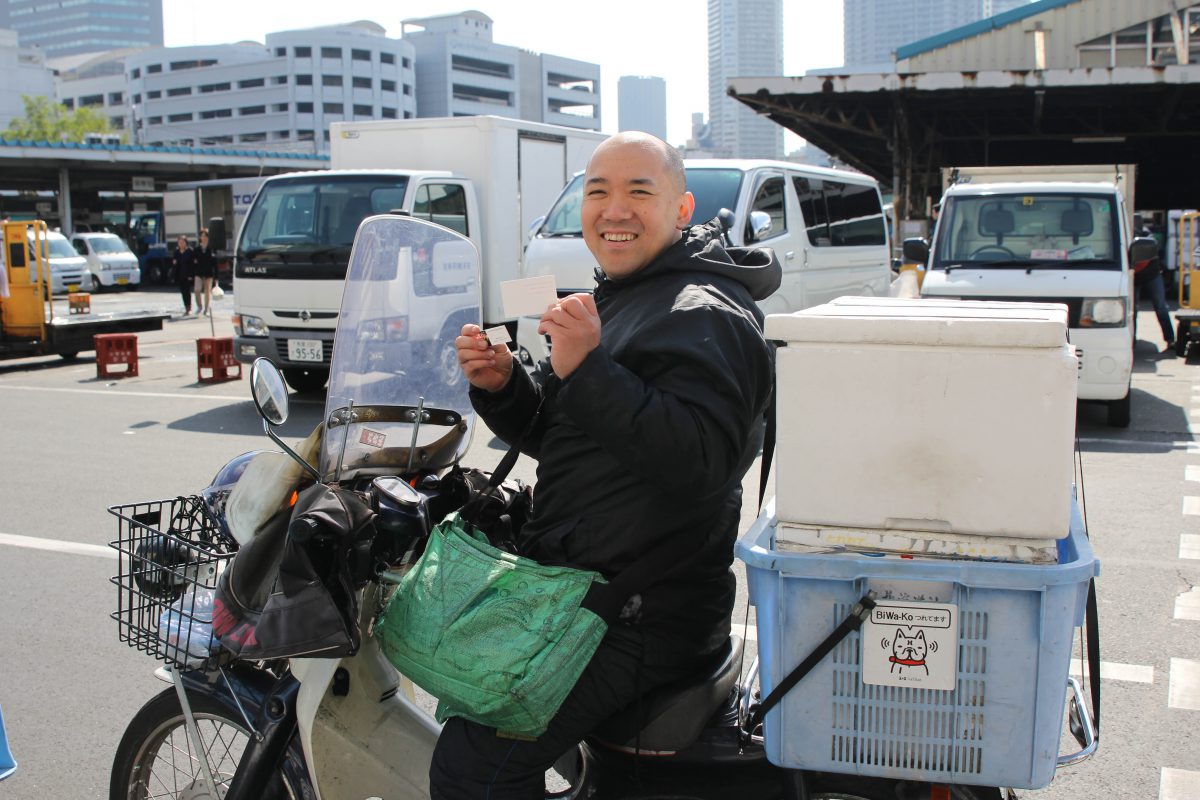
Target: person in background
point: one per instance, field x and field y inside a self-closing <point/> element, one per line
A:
<point x="206" y="272"/>
<point x="184" y="261"/>
<point x="1148" y="283"/>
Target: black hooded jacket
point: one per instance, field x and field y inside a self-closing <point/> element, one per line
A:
<point x="653" y="432"/>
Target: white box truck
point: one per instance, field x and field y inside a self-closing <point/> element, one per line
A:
<point x="1059" y="234"/>
<point x="486" y="177"/>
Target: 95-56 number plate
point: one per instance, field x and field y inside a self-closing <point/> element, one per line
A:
<point x="306" y="350"/>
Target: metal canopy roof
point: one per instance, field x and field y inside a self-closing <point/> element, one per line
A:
<point x="903" y="128"/>
<point x="30" y="165"/>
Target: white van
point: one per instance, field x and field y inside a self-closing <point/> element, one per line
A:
<point x="68" y="270"/>
<point x="826" y="226"/>
<point x="109" y="260"/>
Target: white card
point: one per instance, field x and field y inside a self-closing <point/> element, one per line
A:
<point x="497" y="335"/>
<point x="528" y="297"/>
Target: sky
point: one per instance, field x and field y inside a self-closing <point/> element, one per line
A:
<point x="664" y="38"/>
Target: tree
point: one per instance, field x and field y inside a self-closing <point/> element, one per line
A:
<point x="48" y="121"/>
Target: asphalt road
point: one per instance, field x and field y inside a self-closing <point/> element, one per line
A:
<point x="73" y="444"/>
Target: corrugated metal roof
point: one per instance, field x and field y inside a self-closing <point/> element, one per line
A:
<point x="980" y="27"/>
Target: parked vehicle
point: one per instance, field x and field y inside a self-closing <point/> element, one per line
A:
<point x="826" y="226"/>
<point x="192" y="205"/>
<point x="29" y="324"/>
<point x="349" y="726"/>
<point x="61" y="269"/>
<point x="1050" y="234"/>
<point x="110" y="262"/>
<point x="487" y="178"/>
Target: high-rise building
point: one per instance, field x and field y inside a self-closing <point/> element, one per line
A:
<point x="25" y="73"/>
<point x="642" y="105"/>
<point x="745" y="37"/>
<point x="84" y="26"/>
<point x="873" y="29"/>
<point x="461" y="71"/>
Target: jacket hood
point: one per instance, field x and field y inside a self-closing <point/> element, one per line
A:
<point x="701" y="249"/>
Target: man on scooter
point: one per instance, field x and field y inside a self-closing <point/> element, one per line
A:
<point x="654" y="395"/>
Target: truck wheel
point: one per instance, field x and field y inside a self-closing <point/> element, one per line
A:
<point x="154" y="273"/>
<point x="306" y="380"/>
<point x="68" y="356"/>
<point x="1120" y="411"/>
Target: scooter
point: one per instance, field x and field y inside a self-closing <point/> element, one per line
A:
<point x="352" y="727"/>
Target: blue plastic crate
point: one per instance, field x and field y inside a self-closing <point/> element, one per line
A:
<point x="1002" y="723"/>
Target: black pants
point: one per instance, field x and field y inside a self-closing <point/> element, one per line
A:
<point x="185" y="291"/>
<point x="470" y="762"/>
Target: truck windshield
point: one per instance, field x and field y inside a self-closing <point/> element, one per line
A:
<point x="1044" y="231"/>
<point x="318" y="213"/>
<point x="713" y="189"/>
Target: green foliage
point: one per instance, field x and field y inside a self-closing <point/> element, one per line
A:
<point x="46" y="120"/>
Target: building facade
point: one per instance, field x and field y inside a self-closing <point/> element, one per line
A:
<point x="281" y="95"/>
<point x="745" y="37"/>
<point x="84" y="26"/>
<point x="461" y="71"/>
<point x="25" y="73"/>
<point x="873" y="29"/>
<point x="642" y="105"/>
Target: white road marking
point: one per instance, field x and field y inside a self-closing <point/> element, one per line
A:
<point x="1184" y="691"/>
<point x="1179" y="784"/>
<point x="57" y="545"/>
<point x="1189" y="545"/>
<point x="1112" y="671"/>
<point x="1191" y="506"/>
<point x="1187" y="605"/>
<point x="1191" y="473"/>
<point x="112" y="392"/>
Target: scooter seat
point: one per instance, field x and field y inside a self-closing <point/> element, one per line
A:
<point x="671" y="717"/>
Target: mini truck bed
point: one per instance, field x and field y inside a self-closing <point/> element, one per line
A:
<point x="68" y="336"/>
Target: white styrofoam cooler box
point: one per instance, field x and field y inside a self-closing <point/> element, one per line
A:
<point x="918" y="415"/>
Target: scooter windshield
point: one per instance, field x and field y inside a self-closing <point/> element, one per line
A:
<point x="397" y="399"/>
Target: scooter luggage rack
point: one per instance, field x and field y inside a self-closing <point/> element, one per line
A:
<point x="171" y="554"/>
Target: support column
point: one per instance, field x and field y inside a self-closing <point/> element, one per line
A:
<point x="64" y="201"/>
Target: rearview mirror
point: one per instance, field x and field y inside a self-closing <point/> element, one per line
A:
<point x="760" y="224"/>
<point x="1143" y="248"/>
<point x="916" y="251"/>
<point x="271" y="399"/>
<point x="270" y="393"/>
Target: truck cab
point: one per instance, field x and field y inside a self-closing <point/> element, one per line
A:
<point x="1050" y="241"/>
<point x="295" y="245"/>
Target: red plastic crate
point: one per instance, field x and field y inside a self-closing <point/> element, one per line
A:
<point x="216" y="356"/>
<point x="113" y="349"/>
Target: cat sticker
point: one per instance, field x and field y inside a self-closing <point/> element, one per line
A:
<point x="906" y="643"/>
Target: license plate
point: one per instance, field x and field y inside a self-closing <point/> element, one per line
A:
<point x="72" y="287"/>
<point x="122" y="281"/>
<point x="306" y="350"/>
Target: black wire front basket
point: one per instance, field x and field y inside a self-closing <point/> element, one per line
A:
<point x="171" y="554"/>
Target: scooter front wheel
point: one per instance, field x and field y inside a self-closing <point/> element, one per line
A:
<point x="155" y="758"/>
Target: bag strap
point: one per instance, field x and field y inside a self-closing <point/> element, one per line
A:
<point x="853" y="621"/>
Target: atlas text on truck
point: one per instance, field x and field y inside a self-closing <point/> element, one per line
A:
<point x="32" y="323"/>
<point x="1060" y="234"/>
<point x="825" y="225"/>
<point x="486" y="177"/>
